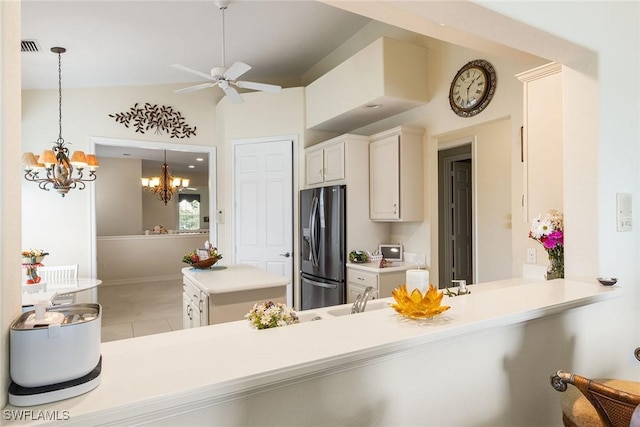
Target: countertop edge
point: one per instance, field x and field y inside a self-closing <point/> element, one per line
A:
<point x="371" y="267"/>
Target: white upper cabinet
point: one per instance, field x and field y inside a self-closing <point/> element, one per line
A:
<point x="325" y="163"/>
<point x="314" y="166"/>
<point x="396" y="175"/>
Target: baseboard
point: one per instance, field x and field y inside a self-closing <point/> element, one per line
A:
<point x="146" y="279"/>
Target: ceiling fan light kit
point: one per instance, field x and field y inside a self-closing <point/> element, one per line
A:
<point x="226" y="78"/>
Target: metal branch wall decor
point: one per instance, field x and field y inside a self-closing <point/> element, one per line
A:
<point x="162" y="118"/>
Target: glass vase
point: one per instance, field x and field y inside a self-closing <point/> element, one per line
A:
<point x="555" y="269"/>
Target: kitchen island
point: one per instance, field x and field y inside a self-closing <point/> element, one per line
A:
<point x="226" y="293"/>
<point x="373" y="368"/>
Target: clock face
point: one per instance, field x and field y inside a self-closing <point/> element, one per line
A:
<point x="472" y="88"/>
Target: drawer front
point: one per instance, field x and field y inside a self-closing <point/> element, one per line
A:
<point x="190" y="289"/>
<point x="362" y="278"/>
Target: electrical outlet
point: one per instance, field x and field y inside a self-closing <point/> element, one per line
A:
<point x="531" y="256"/>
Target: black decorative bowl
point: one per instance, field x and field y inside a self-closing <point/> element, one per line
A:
<point x="607" y="281"/>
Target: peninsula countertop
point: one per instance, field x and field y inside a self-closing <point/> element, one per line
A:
<point x="155" y="376"/>
<point x="233" y="278"/>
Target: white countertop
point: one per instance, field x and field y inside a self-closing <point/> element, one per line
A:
<point x="155" y="373"/>
<point x="374" y="267"/>
<point x="233" y="278"/>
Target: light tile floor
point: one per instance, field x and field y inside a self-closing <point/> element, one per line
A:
<point x="136" y="310"/>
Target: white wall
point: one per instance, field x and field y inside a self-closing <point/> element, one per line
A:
<point x="123" y="260"/>
<point x="119" y="197"/>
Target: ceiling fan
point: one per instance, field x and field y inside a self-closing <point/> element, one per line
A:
<point x="226" y="78"/>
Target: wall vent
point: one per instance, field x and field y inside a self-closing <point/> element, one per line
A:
<point x="29" y="46"/>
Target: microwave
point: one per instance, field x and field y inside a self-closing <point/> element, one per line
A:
<point x="392" y="253"/>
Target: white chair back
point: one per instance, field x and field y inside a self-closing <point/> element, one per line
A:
<point x="58" y="273"/>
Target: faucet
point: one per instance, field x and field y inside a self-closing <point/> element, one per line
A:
<point x="361" y="301"/>
<point x="462" y="289"/>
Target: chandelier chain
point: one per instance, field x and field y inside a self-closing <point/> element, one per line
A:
<point x="60" y="97"/>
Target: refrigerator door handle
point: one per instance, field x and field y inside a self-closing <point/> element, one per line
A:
<point x="320" y="284"/>
<point x="313" y="219"/>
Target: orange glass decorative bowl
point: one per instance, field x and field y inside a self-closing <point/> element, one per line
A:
<point x="207" y="263"/>
<point x="417" y="306"/>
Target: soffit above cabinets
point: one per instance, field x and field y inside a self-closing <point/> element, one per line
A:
<point x="383" y="79"/>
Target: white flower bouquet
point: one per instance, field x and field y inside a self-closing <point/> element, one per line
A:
<point x="271" y="315"/>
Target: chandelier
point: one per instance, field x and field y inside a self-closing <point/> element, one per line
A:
<point x="165" y="185"/>
<point x="62" y="173"/>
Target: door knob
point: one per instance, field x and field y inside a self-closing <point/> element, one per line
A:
<point x="286" y="254"/>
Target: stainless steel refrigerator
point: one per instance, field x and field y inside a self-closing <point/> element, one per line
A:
<point x="323" y="247"/>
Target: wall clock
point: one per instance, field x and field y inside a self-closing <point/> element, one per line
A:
<point x="472" y="88"/>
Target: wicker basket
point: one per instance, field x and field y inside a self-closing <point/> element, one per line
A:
<point x="207" y="263"/>
<point x="375" y="258"/>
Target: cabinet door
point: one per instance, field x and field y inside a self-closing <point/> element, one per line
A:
<point x="334" y="162"/>
<point x="314" y="166"/>
<point x="384" y="182"/>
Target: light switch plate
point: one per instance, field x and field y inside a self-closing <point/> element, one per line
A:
<point x="623" y="212"/>
<point x="531" y="256"/>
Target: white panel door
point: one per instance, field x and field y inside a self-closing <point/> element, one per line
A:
<point x="263" y="218"/>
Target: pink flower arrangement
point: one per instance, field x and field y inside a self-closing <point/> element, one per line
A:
<point x="549" y="231"/>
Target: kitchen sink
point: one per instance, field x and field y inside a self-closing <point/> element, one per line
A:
<point x="308" y="316"/>
<point x="346" y="309"/>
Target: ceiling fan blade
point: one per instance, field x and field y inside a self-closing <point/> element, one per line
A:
<point x="194" y="88"/>
<point x="192" y="71"/>
<point x="259" y="86"/>
<point x="234" y="96"/>
<point x="236" y="70"/>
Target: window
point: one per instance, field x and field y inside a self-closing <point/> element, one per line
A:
<point x="188" y="211"/>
